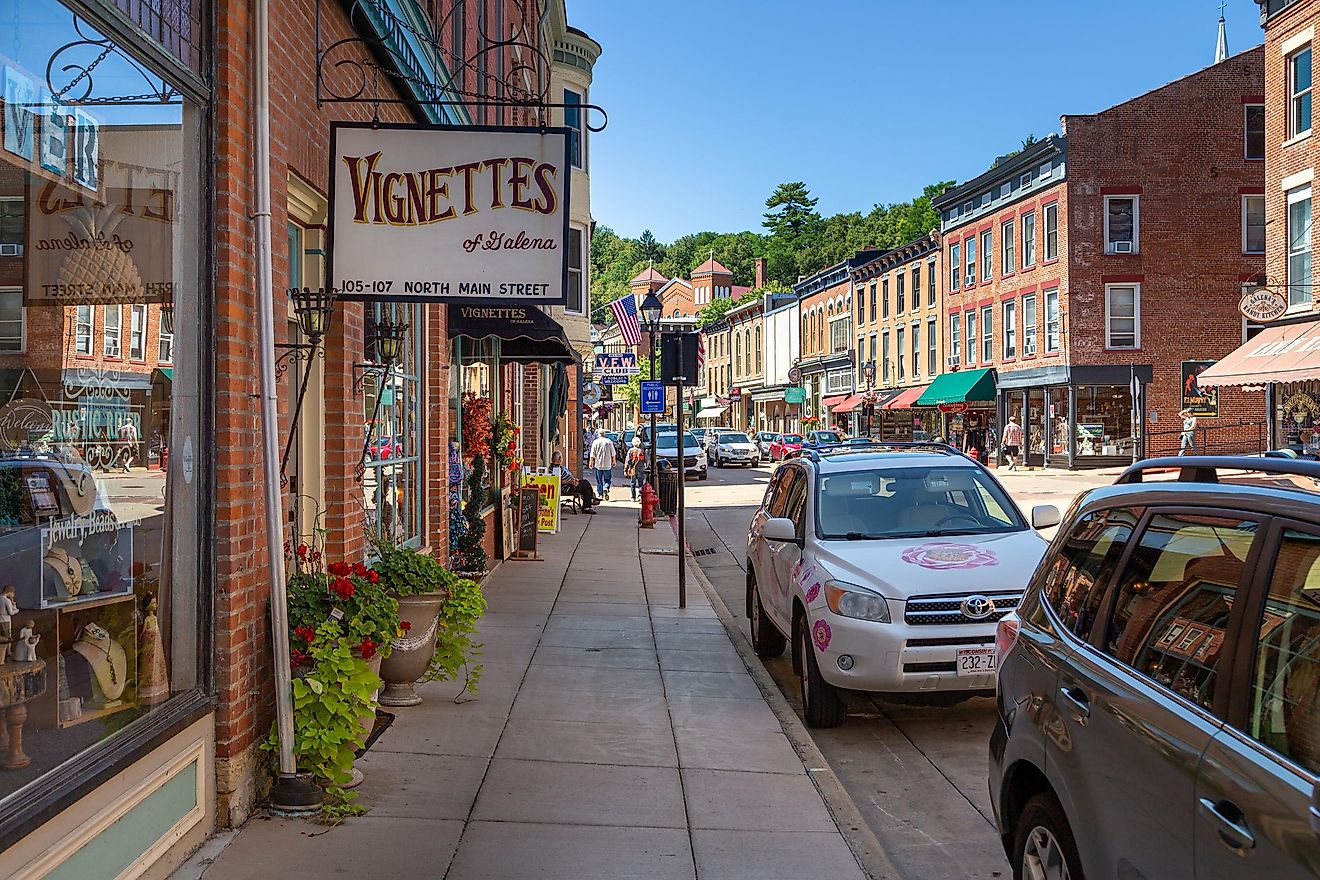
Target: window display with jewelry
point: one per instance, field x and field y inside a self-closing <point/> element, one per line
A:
<point x="100" y="450"/>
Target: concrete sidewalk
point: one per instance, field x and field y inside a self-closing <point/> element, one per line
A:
<point x="616" y="736"/>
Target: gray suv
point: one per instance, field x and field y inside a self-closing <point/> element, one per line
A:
<point x="1159" y="684"/>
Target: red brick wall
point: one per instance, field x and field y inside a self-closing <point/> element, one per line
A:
<point x="1284" y="160"/>
<point x="815" y="343"/>
<point x="1181" y="147"/>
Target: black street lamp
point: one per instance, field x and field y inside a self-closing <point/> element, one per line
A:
<point x="388" y="338"/>
<point x="868" y="373"/>
<point x="651" y="310"/>
<point x="314" y="308"/>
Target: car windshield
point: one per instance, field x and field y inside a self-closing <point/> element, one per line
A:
<point x="792" y="438"/>
<point x="734" y="438"/>
<point x="689" y="442"/>
<point x="913" y="502"/>
<point x="827" y="437"/>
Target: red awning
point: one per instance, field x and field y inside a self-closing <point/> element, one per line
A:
<point x="833" y="401"/>
<point x="1290" y="353"/>
<point x="907" y="398"/>
<point x="849" y="405"/>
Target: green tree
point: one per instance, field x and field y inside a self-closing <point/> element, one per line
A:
<point x="792" y="216"/>
<point x="650" y="249"/>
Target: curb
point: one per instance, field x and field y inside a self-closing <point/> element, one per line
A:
<point x="866" y="848"/>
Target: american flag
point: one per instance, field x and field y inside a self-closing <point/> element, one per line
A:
<point x="625" y="313"/>
<point x="701" y="350"/>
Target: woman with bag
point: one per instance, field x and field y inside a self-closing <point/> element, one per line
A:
<point x="634" y="467"/>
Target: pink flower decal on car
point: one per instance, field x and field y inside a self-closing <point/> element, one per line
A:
<point x="820" y="634"/>
<point x="813" y="592"/>
<point x="948" y="555"/>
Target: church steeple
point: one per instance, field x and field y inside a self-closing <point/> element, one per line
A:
<point x="1221" y="48"/>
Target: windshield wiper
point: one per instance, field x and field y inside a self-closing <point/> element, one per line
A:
<point x="861" y="536"/>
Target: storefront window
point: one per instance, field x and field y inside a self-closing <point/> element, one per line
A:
<point x="99" y="453"/>
<point x="391" y="483"/>
<point x="474" y="378"/>
<point x="1297" y="416"/>
<point x="1058" y="414"/>
<point x="1104" y="420"/>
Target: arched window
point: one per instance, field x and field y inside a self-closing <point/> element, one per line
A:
<point x="737" y="355"/>
<point x="758" y="348"/>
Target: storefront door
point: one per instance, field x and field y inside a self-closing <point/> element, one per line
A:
<point x="1036" y="428"/>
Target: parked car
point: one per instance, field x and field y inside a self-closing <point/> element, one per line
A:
<point x="785" y="446"/>
<point x="818" y="439"/>
<point x="763" y="441"/>
<point x="1159" y="684"/>
<point x="734" y="447"/>
<point x="694" y="458"/>
<point x="711" y="432"/>
<point x="623" y="444"/>
<point x="887" y="571"/>
<point x="661" y="428"/>
<point x="385" y="448"/>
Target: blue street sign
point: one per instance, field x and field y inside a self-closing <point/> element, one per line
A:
<point x="653" y="397"/>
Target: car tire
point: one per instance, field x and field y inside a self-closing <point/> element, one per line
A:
<point x="767" y="640"/>
<point x="1044" y="835"/>
<point x="704" y="475"/>
<point x="821" y="706"/>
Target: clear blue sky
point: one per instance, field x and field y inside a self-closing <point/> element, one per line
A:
<point x="714" y="102"/>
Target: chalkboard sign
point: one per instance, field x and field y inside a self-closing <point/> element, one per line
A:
<point x="529" y="499"/>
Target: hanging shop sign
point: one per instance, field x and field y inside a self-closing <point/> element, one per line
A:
<point x="616" y="369"/>
<point x="449" y="214"/>
<point x="1201" y="400"/>
<point x="955" y="407"/>
<point x="591" y="394"/>
<point x="1262" y="305"/>
<point x="795" y="395"/>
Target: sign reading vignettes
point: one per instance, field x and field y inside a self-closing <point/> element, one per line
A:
<point x="449" y="214"/>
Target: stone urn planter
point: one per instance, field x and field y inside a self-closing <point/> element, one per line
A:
<point x="411" y="655"/>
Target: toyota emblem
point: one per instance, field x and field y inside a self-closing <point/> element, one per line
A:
<point x="978" y="607"/>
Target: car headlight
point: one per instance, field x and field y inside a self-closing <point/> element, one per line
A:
<point x="850" y="600"/>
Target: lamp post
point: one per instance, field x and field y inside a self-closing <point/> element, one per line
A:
<point x="651" y="309"/>
<point x="314" y="308"/>
<point x="868" y="373"/>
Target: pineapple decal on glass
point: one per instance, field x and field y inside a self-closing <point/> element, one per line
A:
<point x="101" y="265"/>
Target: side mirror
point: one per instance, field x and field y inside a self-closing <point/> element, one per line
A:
<point x="1315" y="810"/>
<point x="781" y="528"/>
<point x="1045" y="515"/>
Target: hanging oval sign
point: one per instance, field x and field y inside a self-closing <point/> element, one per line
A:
<point x="957" y="406"/>
<point x="591" y="394"/>
<point x="1262" y="305"/>
<point x="22" y="420"/>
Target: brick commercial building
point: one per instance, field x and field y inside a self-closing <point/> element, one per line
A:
<point x="1279" y="349"/>
<point x="826" y="357"/>
<point x="897" y="298"/>
<point x="1097" y="272"/>
<point x="131" y="479"/>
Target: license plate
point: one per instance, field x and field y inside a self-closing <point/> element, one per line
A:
<point x="976" y="661"/>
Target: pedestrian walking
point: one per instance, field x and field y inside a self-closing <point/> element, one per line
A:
<point x="128" y="436"/>
<point x="1187" y="443"/>
<point x="571" y="485"/>
<point x="1012" y="442"/>
<point x="602" y="462"/>
<point x="634" y="467"/>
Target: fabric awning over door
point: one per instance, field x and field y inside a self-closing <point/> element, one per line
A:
<point x="849" y="404"/>
<point x="833" y="400"/>
<point x="960" y="387"/>
<point x="907" y="398"/>
<point x="1290" y="353"/>
<point x="528" y="335"/>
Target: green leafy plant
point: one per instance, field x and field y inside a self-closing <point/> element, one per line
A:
<point x="456" y="649"/>
<point x="330" y="699"/>
<point x="469" y="555"/>
<point x="370" y="614"/>
<point x="405" y="572"/>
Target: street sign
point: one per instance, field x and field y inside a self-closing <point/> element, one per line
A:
<point x="653" y="397"/>
<point x="616" y="369"/>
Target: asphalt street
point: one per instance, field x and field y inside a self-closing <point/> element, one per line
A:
<point x="916" y="772"/>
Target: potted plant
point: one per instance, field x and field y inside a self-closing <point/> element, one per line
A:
<point x="420" y="585"/>
<point x="456" y="647"/>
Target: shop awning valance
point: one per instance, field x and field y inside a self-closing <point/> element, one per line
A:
<point x="833" y="400"/>
<point x="1290" y="353"/>
<point x="960" y="387"/>
<point x="527" y="334"/>
<point x="710" y="412"/>
<point x="120" y="380"/>
<point x="906" y="398"/>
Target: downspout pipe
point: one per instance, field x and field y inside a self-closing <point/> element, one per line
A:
<point x="291" y="792"/>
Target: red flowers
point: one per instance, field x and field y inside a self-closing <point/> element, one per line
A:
<point x="306" y="633"/>
<point x="339" y="569"/>
<point x="302" y="552"/>
<point x="359" y="569"/>
<point x="343" y="588"/>
<point x="405" y="625"/>
<point x="298" y="658"/>
<point x="373" y="576"/>
<point x="367" y="649"/>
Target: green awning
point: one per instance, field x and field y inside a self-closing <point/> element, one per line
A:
<point x="959" y="387"/>
<point x="167" y="372"/>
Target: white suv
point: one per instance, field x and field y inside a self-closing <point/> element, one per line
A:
<point x="888" y="567"/>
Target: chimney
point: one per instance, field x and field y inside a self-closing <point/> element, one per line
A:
<point x="760" y="271"/>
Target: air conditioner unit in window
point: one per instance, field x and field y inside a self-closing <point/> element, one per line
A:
<point x="1121" y="247"/>
<point x="954" y="361"/>
<point x="11" y="249"/>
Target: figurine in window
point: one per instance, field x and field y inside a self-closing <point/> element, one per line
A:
<point x="8" y="608"/>
<point x="25" y="651"/>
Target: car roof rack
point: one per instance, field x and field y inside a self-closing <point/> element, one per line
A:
<point x="1205" y="468"/>
<point x="815" y="452"/>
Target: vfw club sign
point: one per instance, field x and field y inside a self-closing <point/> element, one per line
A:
<point x="449" y="214"/>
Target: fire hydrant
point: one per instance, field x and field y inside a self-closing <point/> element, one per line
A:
<point x="649" y="503"/>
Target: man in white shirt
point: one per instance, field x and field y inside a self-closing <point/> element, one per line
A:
<point x="602" y="461"/>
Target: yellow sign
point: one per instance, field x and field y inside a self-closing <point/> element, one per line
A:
<point x="547" y="519"/>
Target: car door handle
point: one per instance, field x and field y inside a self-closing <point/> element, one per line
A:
<point x="1077" y="700"/>
<point x="1234" y="833"/>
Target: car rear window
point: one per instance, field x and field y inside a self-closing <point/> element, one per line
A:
<point x="792" y="438"/>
